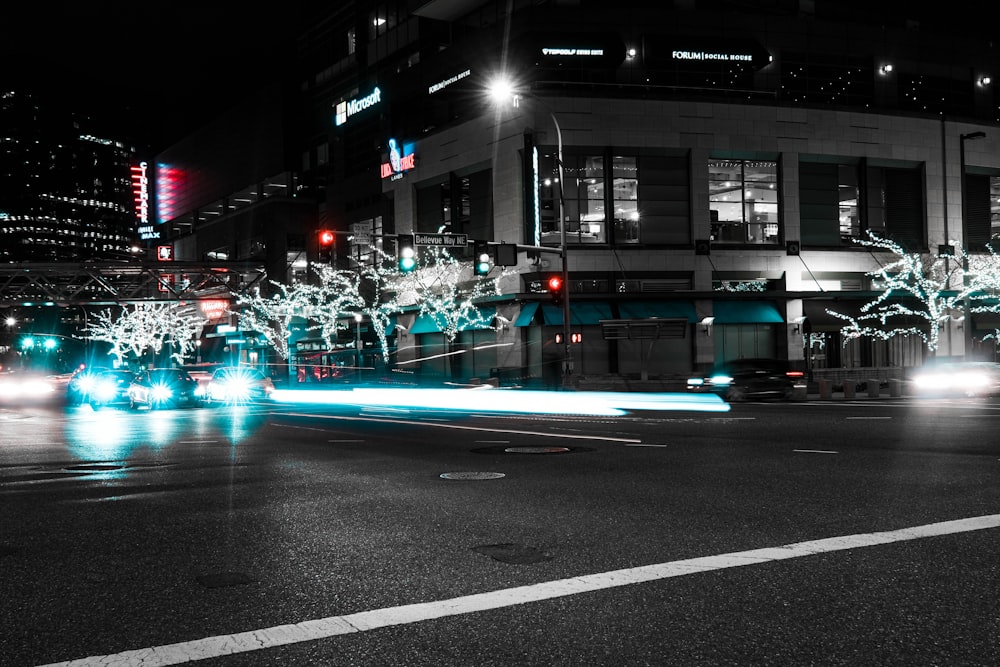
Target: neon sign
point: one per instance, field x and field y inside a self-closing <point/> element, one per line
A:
<point x="140" y="192"/>
<point x="348" y="108"/>
<point x="213" y="309"/>
<point x="401" y="160"/>
<point x="440" y="85"/>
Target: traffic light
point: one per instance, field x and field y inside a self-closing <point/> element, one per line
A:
<point x="481" y="264"/>
<point x="327" y="243"/>
<point x="555" y="287"/>
<point x="406" y="253"/>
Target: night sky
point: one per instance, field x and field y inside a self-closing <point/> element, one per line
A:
<point x="158" y="71"/>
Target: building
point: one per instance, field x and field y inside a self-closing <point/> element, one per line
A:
<point x="718" y="165"/>
<point x="66" y="187"/>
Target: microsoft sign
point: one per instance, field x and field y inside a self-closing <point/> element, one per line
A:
<point x="348" y="108"/>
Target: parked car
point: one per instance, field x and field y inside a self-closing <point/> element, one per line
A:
<point x="165" y="388"/>
<point x="239" y="384"/>
<point x="741" y="379"/>
<point x="957" y="378"/>
<point x="109" y="387"/>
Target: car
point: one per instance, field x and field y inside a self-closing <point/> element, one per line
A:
<point x="957" y="378"/>
<point x="239" y="384"/>
<point x="165" y="388"/>
<point x="741" y="379"/>
<point x="109" y="387"/>
<point x="29" y="386"/>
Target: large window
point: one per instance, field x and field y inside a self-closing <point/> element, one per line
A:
<point x="982" y="212"/>
<point x="647" y="196"/>
<point x="829" y="201"/>
<point x="841" y="201"/>
<point x="743" y="201"/>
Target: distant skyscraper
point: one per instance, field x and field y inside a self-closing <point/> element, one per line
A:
<point x="66" y="190"/>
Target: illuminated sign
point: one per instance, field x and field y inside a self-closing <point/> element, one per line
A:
<point x="401" y="160"/>
<point x="214" y="309"/>
<point x="706" y="55"/>
<point x="571" y="52"/>
<point x="348" y="108"/>
<point x="140" y="193"/>
<point x="441" y="85"/>
<point x="148" y="232"/>
<point x="165" y="253"/>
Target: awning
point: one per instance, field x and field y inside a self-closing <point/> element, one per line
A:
<point x="639" y="310"/>
<point x="527" y="314"/>
<point x="580" y="312"/>
<point x="427" y="323"/>
<point x="746" y="312"/>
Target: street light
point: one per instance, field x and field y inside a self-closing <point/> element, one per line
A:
<point x="502" y="91"/>
<point x="967" y="326"/>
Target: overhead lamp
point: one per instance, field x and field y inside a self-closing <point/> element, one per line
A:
<point x="885" y="69"/>
<point x="984" y="81"/>
<point x="706" y="325"/>
<point x="797" y="324"/>
<point x="630" y="53"/>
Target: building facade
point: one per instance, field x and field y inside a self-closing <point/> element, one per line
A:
<point x="706" y="171"/>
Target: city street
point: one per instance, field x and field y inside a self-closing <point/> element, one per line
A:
<point x="832" y="532"/>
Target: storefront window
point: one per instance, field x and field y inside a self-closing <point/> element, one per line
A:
<point x="743" y="200"/>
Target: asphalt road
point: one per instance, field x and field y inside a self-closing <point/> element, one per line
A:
<point x="821" y="533"/>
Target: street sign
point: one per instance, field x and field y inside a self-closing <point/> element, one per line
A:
<point x="445" y="240"/>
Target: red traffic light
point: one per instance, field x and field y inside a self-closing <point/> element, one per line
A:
<point x="554" y="283"/>
<point x="326" y="237"/>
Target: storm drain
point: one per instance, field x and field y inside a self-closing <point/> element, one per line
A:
<point x="471" y="475"/>
<point x="514" y="554"/>
<point x="224" y="579"/>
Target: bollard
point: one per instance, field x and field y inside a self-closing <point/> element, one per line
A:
<point x="849" y="389"/>
<point x="873" y="388"/>
<point x="825" y="389"/>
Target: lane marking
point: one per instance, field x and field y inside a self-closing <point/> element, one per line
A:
<point x="333" y="626"/>
<point x="815" y="451"/>
<point x="643" y="445"/>
<point x="460" y="427"/>
<point x="867" y="417"/>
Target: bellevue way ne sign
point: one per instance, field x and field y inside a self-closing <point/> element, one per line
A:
<point x="449" y="240"/>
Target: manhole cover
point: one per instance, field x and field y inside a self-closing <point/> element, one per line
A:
<point x="515" y="554"/>
<point x="536" y="450"/>
<point x="471" y="475"/>
<point x="224" y="579"/>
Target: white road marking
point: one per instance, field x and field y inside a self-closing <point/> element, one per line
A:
<point x="333" y="626"/>
<point x="867" y="417"/>
<point x="815" y="451"/>
<point x="460" y="427"/>
<point x="643" y="445"/>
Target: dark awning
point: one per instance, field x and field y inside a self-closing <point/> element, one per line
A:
<point x="527" y="314"/>
<point x="580" y="312"/>
<point x="746" y="312"/>
<point x="430" y="324"/>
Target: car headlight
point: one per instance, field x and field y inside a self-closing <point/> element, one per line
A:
<point x="721" y="379"/>
<point x="162" y="392"/>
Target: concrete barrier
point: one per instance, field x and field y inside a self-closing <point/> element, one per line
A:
<point x="895" y="388"/>
<point x="873" y="388"/>
<point x="825" y="389"/>
<point x="850" y="389"/>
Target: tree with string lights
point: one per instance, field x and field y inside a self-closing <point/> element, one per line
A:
<point x="146" y="328"/>
<point x="929" y="289"/>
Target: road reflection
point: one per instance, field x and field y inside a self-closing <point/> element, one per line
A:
<point x="115" y="435"/>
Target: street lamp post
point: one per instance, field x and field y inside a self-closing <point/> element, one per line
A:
<point x="502" y="91"/>
<point x="967" y="321"/>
